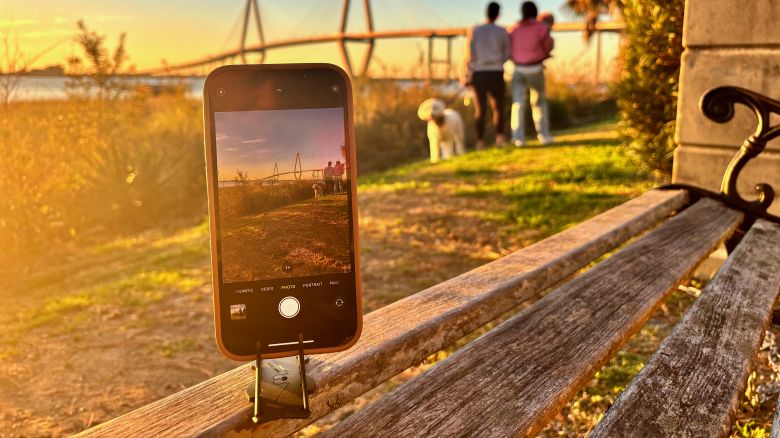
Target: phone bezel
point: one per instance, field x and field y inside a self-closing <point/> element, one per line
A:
<point x="210" y="148"/>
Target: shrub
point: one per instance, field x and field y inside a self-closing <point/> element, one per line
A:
<point x="575" y="100"/>
<point x="109" y="159"/>
<point x="251" y="199"/>
<point x="387" y="129"/>
<point x="647" y="90"/>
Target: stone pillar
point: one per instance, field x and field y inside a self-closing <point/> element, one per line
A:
<point x="727" y="43"/>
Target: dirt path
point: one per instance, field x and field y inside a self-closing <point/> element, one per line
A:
<point x="86" y="340"/>
<point x="67" y="381"/>
<point x="312" y="236"/>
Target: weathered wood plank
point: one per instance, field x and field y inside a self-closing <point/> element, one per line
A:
<point x="512" y="380"/>
<point x="402" y="334"/>
<point x="692" y="385"/>
<point x="775" y="433"/>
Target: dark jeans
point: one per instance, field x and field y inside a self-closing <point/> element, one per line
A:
<point x="489" y="83"/>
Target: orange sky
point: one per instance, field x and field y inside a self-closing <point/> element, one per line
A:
<point x="178" y="30"/>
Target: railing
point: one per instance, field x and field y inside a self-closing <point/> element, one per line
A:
<point x="316" y="175"/>
<point x="368" y="37"/>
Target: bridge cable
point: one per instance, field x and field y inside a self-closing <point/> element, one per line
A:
<point x="233" y="30"/>
<point x="313" y="16"/>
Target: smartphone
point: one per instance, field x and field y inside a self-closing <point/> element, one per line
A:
<point x="280" y="153"/>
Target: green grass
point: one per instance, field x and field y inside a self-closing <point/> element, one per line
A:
<point x="523" y="193"/>
<point x="123" y="275"/>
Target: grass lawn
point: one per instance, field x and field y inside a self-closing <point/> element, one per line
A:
<point x="421" y="224"/>
<point x="116" y="326"/>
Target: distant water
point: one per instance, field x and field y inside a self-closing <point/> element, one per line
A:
<point x="53" y="87"/>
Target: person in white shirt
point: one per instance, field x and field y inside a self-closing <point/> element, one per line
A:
<point x="328" y="174"/>
<point x="487" y="49"/>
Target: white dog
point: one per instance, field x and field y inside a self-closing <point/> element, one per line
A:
<point x="317" y="190"/>
<point x="445" y="129"/>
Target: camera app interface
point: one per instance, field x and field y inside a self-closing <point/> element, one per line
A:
<point x="283" y="193"/>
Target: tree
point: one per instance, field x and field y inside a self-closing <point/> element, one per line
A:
<point x="647" y="90"/>
<point x="98" y="71"/>
<point x="12" y="62"/>
<point x="590" y="10"/>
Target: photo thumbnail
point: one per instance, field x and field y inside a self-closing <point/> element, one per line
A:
<point x="237" y="311"/>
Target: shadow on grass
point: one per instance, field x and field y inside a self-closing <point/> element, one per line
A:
<point x="592" y="173"/>
<point x="421" y="268"/>
<point x="475" y="171"/>
<point x="591" y="142"/>
<point x="608" y="124"/>
<point x="548" y="210"/>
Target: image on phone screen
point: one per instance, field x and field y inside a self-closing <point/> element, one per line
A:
<point x="282" y="182"/>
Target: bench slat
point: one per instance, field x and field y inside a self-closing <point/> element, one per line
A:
<point x="512" y="380"/>
<point x="403" y="333"/>
<point x="692" y="385"/>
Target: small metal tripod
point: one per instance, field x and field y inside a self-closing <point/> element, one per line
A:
<point x="279" y="399"/>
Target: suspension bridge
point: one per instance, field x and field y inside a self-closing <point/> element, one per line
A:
<point x="342" y="36"/>
<point x="297" y="174"/>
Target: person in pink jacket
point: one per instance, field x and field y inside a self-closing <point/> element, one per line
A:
<point x="530" y="44"/>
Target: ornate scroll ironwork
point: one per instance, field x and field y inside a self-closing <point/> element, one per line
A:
<point x="718" y="105"/>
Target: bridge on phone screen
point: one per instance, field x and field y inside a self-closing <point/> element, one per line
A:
<point x="297" y="174"/>
<point x="342" y="36"/>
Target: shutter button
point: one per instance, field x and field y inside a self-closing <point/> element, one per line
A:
<point x="289" y="307"/>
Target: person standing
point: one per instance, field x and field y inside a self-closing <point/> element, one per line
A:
<point x="338" y="175"/>
<point x="487" y="49"/>
<point x="531" y="44"/>
<point x="328" y="174"/>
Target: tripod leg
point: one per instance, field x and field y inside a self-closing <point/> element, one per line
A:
<point x="302" y="371"/>
<point x="258" y="387"/>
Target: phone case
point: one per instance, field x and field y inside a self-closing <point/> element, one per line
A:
<point x="350" y="136"/>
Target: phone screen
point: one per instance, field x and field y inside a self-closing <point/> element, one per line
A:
<point x="283" y="204"/>
<point x="283" y="193"/>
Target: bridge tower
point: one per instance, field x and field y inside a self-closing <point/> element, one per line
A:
<point x="298" y="167"/>
<point x="369" y="18"/>
<point x="252" y="5"/>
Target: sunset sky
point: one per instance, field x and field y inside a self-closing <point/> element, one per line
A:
<point x="252" y="141"/>
<point x="183" y="30"/>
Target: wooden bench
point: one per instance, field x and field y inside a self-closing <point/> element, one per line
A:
<point x="515" y="378"/>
